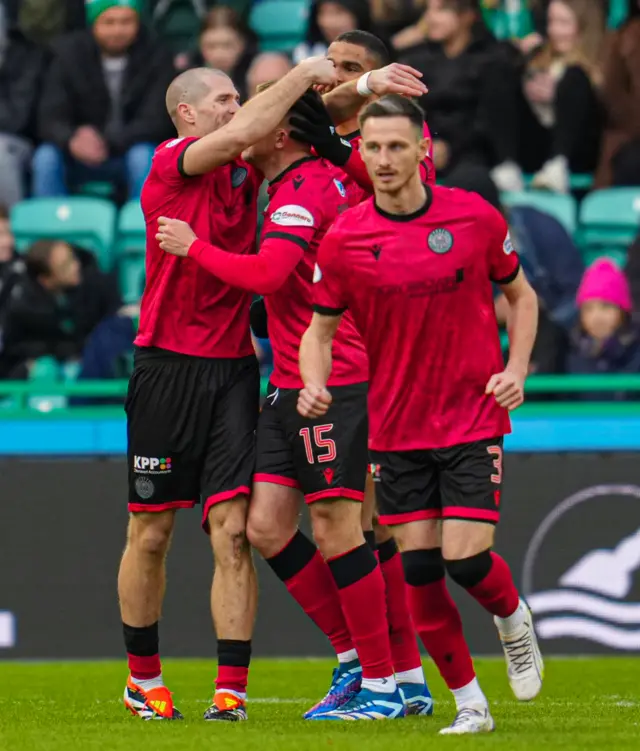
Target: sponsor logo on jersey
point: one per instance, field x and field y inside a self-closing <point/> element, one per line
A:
<point x="507" y="245"/>
<point x="292" y="216"/>
<point x="440" y="240"/>
<point x="594" y="592"/>
<point x="341" y="188"/>
<point x="317" y="274"/>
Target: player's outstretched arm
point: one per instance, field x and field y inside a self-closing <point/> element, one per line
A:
<point x="263" y="273"/>
<point x="522" y="324"/>
<point x="259" y="116"/>
<point x="345" y="101"/>
<point x="315" y="364"/>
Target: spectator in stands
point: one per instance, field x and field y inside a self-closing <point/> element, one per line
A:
<point x="327" y="20"/>
<point x="12" y="267"/>
<point x="267" y="66"/>
<point x="56" y="308"/>
<point x="102" y="110"/>
<point x="606" y="341"/>
<point x="228" y="44"/>
<point x="402" y="22"/>
<point x="620" y="160"/>
<point x="21" y="66"/>
<point x="44" y="20"/>
<point x="561" y="118"/>
<point x="472" y="101"/>
<point x="632" y="271"/>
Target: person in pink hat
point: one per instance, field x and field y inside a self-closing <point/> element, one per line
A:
<point x="605" y="341"/>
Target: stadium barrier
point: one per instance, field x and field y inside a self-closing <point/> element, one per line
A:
<point x="570" y="530"/>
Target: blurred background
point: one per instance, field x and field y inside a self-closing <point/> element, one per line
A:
<point x="533" y="104"/>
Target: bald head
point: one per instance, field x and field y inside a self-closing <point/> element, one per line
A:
<point x="268" y="66"/>
<point x="190" y="88"/>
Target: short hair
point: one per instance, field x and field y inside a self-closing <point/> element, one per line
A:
<point x="189" y="88"/>
<point x="38" y="256"/>
<point x="394" y="105"/>
<point x="4" y="212"/>
<point x="370" y="42"/>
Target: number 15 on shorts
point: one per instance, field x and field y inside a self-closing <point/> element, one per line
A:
<point x="317" y="446"/>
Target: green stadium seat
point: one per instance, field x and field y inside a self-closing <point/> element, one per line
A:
<point x="618" y="255"/>
<point x="98" y="189"/>
<point x="577" y="181"/>
<point x="609" y="219"/>
<point x="618" y="12"/>
<point x="88" y="222"/>
<point x="45" y="372"/>
<point x="131" y="275"/>
<point x="563" y="208"/>
<point x="280" y="24"/>
<point x="178" y="24"/>
<point x="131" y="233"/>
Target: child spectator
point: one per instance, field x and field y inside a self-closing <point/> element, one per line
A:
<point x="620" y="159"/>
<point x="327" y="20"/>
<point x="228" y="44"/>
<point x="605" y="341"/>
<point x="561" y="119"/>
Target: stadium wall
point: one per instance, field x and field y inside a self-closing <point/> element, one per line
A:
<point x="570" y="530"/>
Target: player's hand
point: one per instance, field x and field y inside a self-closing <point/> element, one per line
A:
<point x="311" y="123"/>
<point x="319" y="70"/>
<point x="507" y="388"/>
<point x="314" y="401"/>
<point x="397" y="79"/>
<point x="175" y="236"/>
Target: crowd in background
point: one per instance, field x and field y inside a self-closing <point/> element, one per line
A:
<point x="82" y="99"/>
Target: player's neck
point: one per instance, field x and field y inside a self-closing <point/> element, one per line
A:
<point x="280" y="162"/>
<point x="409" y="199"/>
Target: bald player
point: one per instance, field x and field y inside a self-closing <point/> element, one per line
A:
<point x="192" y="403"/>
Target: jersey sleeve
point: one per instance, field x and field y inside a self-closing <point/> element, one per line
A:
<point x="293" y="215"/>
<point x="167" y="160"/>
<point x="329" y="298"/>
<point x="504" y="263"/>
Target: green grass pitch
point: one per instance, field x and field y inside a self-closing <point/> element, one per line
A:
<point x="586" y="704"/>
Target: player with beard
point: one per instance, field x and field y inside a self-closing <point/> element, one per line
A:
<point x="415" y="268"/>
<point x="341" y="586"/>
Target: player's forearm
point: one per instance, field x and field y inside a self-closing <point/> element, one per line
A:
<point x="355" y="168"/>
<point x="343" y="102"/>
<point x="315" y="359"/>
<point x="263" y="273"/>
<point x="522" y="329"/>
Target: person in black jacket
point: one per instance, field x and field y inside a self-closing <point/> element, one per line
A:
<point x="102" y="110"/>
<point x="21" y="65"/>
<point x="53" y="311"/>
<point x="473" y="91"/>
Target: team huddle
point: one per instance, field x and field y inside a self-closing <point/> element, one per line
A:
<point x="387" y="405"/>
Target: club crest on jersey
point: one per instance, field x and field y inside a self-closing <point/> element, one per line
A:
<point x="292" y="216"/>
<point x="238" y="176"/>
<point x="340" y="188"/>
<point x="317" y="274"/>
<point x="440" y="240"/>
<point x="507" y="245"/>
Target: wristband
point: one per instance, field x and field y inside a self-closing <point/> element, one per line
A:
<point x="362" y="85"/>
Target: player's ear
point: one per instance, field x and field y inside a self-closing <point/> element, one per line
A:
<point x="282" y="137"/>
<point x="423" y="148"/>
<point x="186" y="112"/>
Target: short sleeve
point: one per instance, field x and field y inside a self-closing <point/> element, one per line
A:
<point x="293" y="215"/>
<point x="504" y="263"/>
<point x="167" y="160"/>
<point x="329" y="296"/>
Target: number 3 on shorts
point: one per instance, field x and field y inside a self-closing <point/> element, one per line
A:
<point x="328" y="444"/>
<point x="496" y="452"/>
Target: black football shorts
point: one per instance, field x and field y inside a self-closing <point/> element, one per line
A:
<point x="459" y="482"/>
<point x="326" y="457"/>
<point x="190" y="429"/>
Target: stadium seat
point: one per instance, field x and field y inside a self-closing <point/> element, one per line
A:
<point x="45" y="373"/>
<point x="280" y="24"/>
<point x="131" y="275"/>
<point x="609" y="219"/>
<point x="577" y="181"/>
<point x="87" y="222"/>
<point x="562" y="208"/>
<point x="618" y="12"/>
<point x="131" y="234"/>
<point x="618" y="255"/>
<point x="178" y="23"/>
